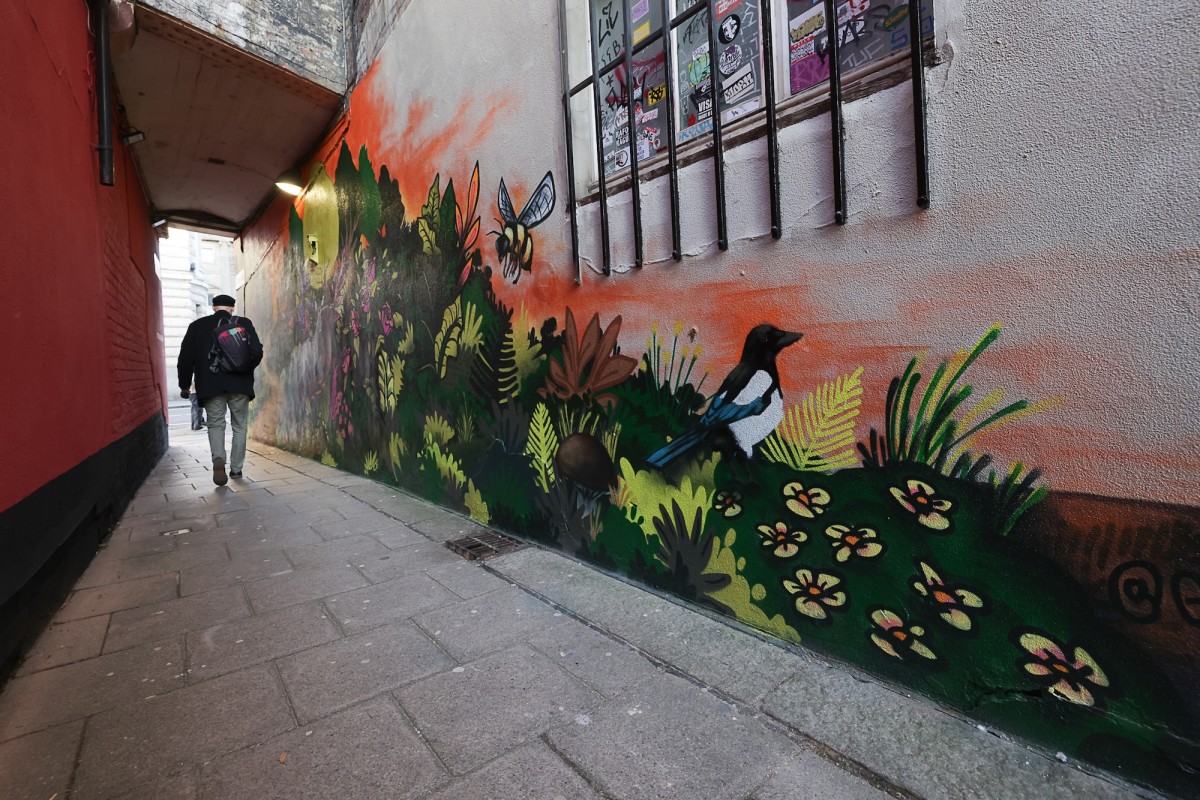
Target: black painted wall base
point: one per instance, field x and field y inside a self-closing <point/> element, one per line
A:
<point x="48" y="539"/>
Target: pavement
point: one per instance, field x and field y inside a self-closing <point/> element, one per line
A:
<point x="304" y="633"/>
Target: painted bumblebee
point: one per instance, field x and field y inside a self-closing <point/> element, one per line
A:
<point x="514" y="243"/>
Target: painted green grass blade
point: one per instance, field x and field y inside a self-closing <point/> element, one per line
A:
<point x="1011" y="408"/>
<point x="906" y="394"/>
<point x="927" y="395"/>
<point x="895" y="411"/>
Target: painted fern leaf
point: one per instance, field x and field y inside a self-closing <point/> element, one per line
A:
<point x="518" y="356"/>
<point x="818" y="434"/>
<point x="542" y="445"/>
<point x="446" y="344"/>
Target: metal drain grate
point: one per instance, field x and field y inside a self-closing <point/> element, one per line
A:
<point x="483" y="545"/>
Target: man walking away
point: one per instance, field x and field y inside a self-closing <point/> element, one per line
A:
<point x="219" y="388"/>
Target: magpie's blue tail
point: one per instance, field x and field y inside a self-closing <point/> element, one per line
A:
<point x="674" y="449"/>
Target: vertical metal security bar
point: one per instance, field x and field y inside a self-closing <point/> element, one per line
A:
<point x="599" y="136"/>
<point x="566" y="103"/>
<point x="920" y="129"/>
<point x="768" y="35"/>
<point x="635" y="188"/>
<point x="714" y="88"/>
<point x="835" y="113"/>
<point x="672" y="161"/>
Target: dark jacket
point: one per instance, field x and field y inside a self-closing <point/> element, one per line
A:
<point x="193" y="359"/>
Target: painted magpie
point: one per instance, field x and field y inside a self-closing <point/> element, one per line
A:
<point x="747" y="406"/>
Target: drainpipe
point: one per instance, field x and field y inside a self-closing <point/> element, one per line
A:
<point x="104" y="94"/>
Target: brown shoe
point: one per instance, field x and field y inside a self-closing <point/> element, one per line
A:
<point x="219" y="476"/>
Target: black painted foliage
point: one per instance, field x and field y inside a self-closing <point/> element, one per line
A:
<point x="686" y="550"/>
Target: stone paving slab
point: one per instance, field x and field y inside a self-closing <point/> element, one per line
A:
<point x="39" y="766"/>
<point x="598" y="661"/>
<point x="397" y="535"/>
<point x="465" y="578"/>
<point x="263" y="540"/>
<point x="688" y="743"/>
<point x="727" y="659"/>
<point x="298" y="587"/>
<point x="369" y="523"/>
<point x="156" y="737"/>
<point x="108" y="567"/>
<point x="338" y="674"/>
<point x="394" y="503"/>
<point x="297" y="519"/>
<point x="117" y="596"/>
<point x="148" y="623"/>
<point x="119" y="545"/>
<point x="393" y="601"/>
<point x="351" y="550"/>
<point x="368" y="752"/>
<point x="54" y="696"/>
<point x="427" y="555"/>
<point x="175" y="787"/>
<point x="248" y="566"/>
<point x="805" y="775"/>
<point x="531" y="771"/>
<point x="446" y="526"/>
<point x="473" y="628"/>
<point x="240" y="643"/>
<point x="64" y="643"/>
<point x="467" y="716"/>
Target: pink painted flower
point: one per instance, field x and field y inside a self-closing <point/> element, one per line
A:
<point x="355" y="328"/>
<point x="896" y="638"/>
<point x="921" y="499"/>
<point x="1075" y="678"/>
<point x="385" y="318"/>
<point x="346" y="359"/>
<point x="951" y="602"/>
<point x="815" y="593"/>
<point x="781" y="541"/>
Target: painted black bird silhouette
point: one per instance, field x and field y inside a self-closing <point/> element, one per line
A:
<point x="747" y="406"/>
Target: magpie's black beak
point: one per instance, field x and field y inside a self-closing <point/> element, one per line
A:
<point x="788" y="337"/>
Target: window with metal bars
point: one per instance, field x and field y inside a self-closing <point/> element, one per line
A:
<point x="632" y="107"/>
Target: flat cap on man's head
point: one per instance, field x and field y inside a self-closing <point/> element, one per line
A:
<point x="223" y="300"/>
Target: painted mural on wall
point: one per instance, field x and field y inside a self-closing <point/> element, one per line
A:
<point x="891" y="543"/>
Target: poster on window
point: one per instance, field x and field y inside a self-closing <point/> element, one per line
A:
<point x="649" y="86"/>
<point x="739" y="60"/>
<point x="868" y="30"/>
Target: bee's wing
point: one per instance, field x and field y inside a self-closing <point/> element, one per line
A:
<point x="540" y="204"/>
<point x="505" y="204"/>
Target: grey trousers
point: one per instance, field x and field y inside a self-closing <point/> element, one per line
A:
<point x="239" y="410"/>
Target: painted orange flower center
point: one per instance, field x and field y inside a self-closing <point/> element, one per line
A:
<point x="899" y="635"/>
<point x="922" y="499"/>
<point x="942" y="597"/>
<point x="851" y="540"/>
<point x="779" y="537"/>
<point x="1061" y="667"/>
<point x="814" y="590"/>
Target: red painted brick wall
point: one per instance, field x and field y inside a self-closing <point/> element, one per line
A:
<point x="77" y="279"/>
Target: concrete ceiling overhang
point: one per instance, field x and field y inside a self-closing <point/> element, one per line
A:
<point x="220" y="124"/>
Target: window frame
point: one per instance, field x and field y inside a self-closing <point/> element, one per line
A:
<point x="870" y="77"/>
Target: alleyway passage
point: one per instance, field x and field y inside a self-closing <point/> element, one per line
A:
<point x="303" y="633"/>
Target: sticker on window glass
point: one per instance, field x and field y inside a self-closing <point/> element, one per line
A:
<point x="739" y="63"/>
<point x="868" y="30"/>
